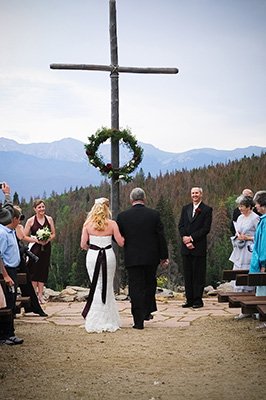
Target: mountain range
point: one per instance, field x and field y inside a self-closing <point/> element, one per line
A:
<point x="39" y="169"/>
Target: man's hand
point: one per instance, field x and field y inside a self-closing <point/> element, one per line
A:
<point x="5" y="188"/>
<point x="164" y="263"/>
<point x="190" y="246"/>
<point x="186" y="239"/>
<point x="8" y="281"/>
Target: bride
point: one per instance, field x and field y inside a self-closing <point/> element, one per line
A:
<point x="100" y="311"/>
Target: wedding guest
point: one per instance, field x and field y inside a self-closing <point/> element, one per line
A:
<point x="243" y="240"/>
<point x="11" y="258"/>
<point x="194" y="226"/>
<point x="6" y="210"/>
<point x="27" y="289"/>
<point x="145" y="247"/>
<point x="41" y="248"/>
<point x="236" y="212"/>
<point x="101" y="312"/>
<point x="258" y="260"/>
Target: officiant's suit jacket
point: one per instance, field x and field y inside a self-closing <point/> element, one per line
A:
<point x="197" y="227"/>
<point x="143" y="231"/>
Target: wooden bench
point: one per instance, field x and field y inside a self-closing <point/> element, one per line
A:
<point x="223" y="297"/>
<point x="22" y="280"/>
<point x="241" y="279"/>
<point x="21" y="301"/>
<point x="230" y="274"/>
<point x="5" y="315"/>
<point x="250" y="306"/>
<point x="262" y="312"/>
<point x="235" y="300"/>
<point x="257" y="279"/>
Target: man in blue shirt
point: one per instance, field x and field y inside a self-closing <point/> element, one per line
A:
<point x="11" y="259"/>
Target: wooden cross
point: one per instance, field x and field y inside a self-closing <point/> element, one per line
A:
<point x="114" y="69"/>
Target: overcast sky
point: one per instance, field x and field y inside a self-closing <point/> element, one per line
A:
<point x="216" y="100"/>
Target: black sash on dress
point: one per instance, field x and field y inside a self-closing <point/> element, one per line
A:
<point x="100" y="262"/>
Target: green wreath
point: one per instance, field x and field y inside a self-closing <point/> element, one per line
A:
<point x="128" y="140"/>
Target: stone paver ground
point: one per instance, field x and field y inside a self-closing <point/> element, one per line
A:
<point x="170" y="313"/>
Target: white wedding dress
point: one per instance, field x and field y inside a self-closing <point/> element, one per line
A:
<point x="102" y="317"/>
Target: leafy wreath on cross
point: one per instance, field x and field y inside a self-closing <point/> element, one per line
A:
<point x="127" y="139"/>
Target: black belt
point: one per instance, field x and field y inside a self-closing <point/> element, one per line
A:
<point x="100" y="262"/>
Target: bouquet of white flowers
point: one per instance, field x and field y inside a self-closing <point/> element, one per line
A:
<point x="43" y="234"/>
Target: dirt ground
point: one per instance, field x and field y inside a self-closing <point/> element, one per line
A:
<point x="212" y="358"/>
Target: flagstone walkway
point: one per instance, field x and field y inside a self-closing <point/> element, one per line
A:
<point x="170" y="313"/>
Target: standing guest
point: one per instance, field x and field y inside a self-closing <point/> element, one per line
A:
<point x="101" y="312"/>
<point x="243" y="240"/>
<point x="194" y="226"/>
<point x="11" y="259"/>
<point x="6" y="210"/>
<point x="258" y="260"/>
<point x="145" y="247"/>
<point x="236" y="212"/>
<point x="41" y="248"/>
<point x="27" y="289"/>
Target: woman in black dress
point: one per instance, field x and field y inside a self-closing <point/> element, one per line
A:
<point x="42" y="249"/>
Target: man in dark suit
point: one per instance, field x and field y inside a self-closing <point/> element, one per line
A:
<point x="194" y="226"/>
<point x="145" y="247"/>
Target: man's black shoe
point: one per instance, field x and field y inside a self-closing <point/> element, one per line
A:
<point x="197" y="305"/>
<point x="186" y="305"/>
<point x="138" y="326"/>
<point x="43" y="314"/>
<point x="148" y="317"/>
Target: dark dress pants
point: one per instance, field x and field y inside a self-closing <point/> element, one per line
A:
<point x="194" y="275"/>
<point x="142" y="288"/>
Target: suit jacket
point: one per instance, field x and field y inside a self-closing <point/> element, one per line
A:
<point x="197" y="227"/>
<point x="145" y="243"/>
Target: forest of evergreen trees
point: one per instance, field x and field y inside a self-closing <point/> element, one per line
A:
<point x="222" y="183"/>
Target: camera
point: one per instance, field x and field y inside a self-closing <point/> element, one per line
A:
<point x="11" y="289"/>
<point x="25" y="250"/>
<point x="250" y="247"/>
<point x="1" y="185"/>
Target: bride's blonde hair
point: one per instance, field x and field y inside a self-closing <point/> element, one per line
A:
<point x="99" y="214"/>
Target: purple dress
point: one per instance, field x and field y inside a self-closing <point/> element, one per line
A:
<point x="39" y="270"/>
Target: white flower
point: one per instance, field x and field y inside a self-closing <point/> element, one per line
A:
<point x="43" y="234"/>
<point x="121" y="177"/>
<point x="101" y="200"/>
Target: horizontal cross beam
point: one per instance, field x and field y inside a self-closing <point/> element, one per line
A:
<point x="113" y="68"/>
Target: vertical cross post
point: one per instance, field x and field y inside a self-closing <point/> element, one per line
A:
<point x="114" y="106"/>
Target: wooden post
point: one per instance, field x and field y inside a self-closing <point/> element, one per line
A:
<point x="114" y="106"/>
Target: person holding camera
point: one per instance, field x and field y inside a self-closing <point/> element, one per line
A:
<point x="11" y="259"/>
<point x="6" y="210"/>
<point x="6" y="215"/>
